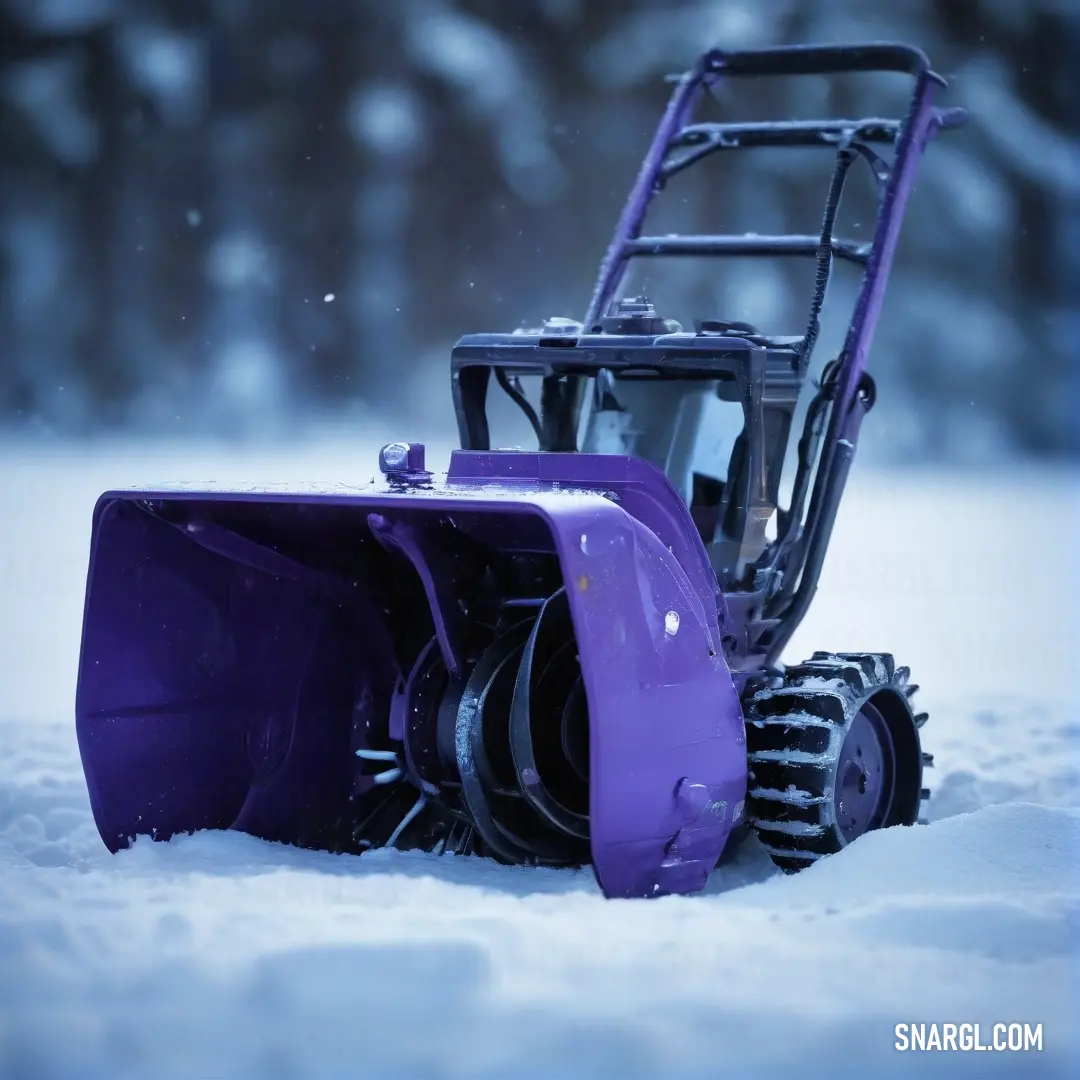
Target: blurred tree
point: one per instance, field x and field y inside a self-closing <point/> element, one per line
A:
<point x="218" y="214"/>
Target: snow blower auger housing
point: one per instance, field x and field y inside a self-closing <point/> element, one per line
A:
<point x="558" y="657"/>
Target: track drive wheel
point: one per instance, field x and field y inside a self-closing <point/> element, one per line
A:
<point x="834" y="751"/>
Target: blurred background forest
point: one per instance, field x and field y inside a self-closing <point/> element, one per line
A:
<point x="236" y="217"/>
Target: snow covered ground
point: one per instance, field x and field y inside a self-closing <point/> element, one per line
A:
<point x="219" y="955"/>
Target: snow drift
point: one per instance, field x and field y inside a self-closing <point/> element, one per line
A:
<point x="217" y="954"/>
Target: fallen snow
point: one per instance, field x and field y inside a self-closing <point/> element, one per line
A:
<point x="219" y="955"/>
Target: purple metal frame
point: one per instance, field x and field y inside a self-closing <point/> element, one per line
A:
<point x="242" y="649"/>
<point x="225" y="684"/>
<point x="852" y="391"/>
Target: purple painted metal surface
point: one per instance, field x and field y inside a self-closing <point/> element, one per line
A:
<point x="242" y="651"/>
<point x="435" y="571"/>
<point x="216" y="693"/>
<point x="798" y="557"/>
<point x="688" y="90"/>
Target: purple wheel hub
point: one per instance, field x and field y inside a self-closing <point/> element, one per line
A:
<point x="865" y="774"/>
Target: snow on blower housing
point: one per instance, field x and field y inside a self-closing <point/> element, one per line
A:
<point x="560" y="657"/>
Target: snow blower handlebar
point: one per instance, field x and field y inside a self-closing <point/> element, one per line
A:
<point x="672" y="130"/>
<point x="853" y="392"/>
<point x="849" y="392"/>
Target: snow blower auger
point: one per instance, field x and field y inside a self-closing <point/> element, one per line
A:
<point x="559" y="657"/>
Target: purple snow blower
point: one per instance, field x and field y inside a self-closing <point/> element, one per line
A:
<point x="559" y="657"/>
